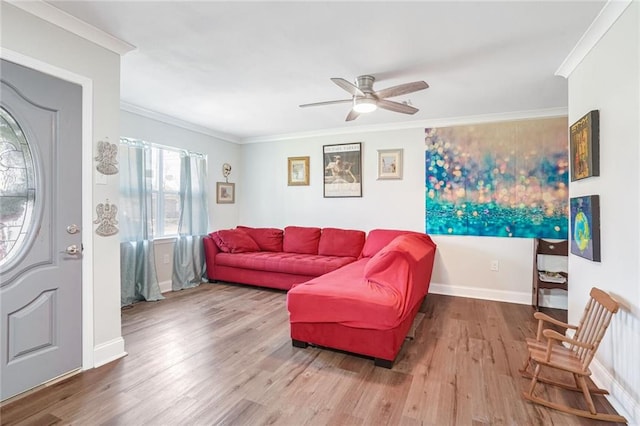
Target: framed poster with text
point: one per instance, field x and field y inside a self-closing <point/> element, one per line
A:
<point x="342" y="170"/>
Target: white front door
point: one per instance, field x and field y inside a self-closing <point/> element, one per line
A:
<point x="40" y="235"/>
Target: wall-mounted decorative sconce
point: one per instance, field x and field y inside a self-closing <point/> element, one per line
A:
<point x="107" y="158"/>
<point x="106" y="219"/>
<point x="226" y="171"/>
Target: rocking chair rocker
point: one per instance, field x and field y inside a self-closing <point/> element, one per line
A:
<point x="574" y="357"/>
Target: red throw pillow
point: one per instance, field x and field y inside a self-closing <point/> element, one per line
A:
<point x="216" y="239"/>
<point x="392" y="265"/>
<point x="299" y="239"/>
<point x="385" y="262"/>
<point x="378" y="238"/>
<point x="268" y="239"/>
<point x="341" y="242"/>
<point x="234" y="241"/>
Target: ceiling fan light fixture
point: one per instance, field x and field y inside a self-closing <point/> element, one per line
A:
<point x="364" y="105"/>
<point x="364" y="99"/>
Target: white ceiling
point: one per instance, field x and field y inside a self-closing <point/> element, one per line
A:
<point x="242" y="68"/>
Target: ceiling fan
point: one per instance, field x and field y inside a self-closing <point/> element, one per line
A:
<point x="365" y="99"/>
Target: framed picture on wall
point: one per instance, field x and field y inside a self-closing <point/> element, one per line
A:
<point x="342" y="170"/>
<point x="225" y="193"/>
<point x="390" y="164"/>
<point x="584" y="146"/>
<point x="585" y="227"/>
<point x="298" y="171"/>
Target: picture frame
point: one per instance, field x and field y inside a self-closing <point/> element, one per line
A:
<point x="389" y="164"/>
<point x="298" y="171"/>
<point x="225" y="193"/>
<point x="342" y="170"/>
<point x="584" y="146"/>
<point x="585" y="227"/>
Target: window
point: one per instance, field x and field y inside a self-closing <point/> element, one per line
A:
<point x="150" y="186"/>
<point x="165" y="187"/>
<point x="17" y="188"/>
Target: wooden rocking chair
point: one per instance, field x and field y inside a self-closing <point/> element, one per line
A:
<point x="547" y="350"/>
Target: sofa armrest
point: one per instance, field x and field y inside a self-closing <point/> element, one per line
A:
<point x="405" y="264"/>
<point x="210" y="252"/>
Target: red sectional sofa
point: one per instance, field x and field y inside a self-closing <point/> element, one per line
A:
<point x="344" y="292"/>
<point x="277" y="258"/>
<point x="368" y="306"/>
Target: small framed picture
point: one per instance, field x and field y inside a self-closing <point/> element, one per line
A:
<point x="584" y="146"/>
<point x="585" y="227"/>
<point x="298" y="168"/>
<point x="225" y="193"/>
<point x="390" y="164"/>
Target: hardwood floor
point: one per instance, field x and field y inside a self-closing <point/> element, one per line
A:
<point x="221" y="354"/>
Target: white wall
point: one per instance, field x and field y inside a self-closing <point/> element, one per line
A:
<point x="462" y="264"/>
<point x="43" y="45"/>
<point x="608" y="79"/>
<point x="163" y="250"/>
<point x="266" y="200"/>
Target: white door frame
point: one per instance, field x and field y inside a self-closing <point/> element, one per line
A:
<point x="87" y="189"/>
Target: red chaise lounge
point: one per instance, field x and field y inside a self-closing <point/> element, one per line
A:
<point x="367" y="306"/>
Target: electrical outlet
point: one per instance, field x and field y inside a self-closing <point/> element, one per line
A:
<point x="165" y="259"/>
<point x="495" y="266"/>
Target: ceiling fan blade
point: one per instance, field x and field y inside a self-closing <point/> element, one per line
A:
<point x="401" y="89"/>
<point x="351" y="88"/>
<point x="396" y="106"/>
<point x="341" y="101"/>
<point x="352" y="115"/>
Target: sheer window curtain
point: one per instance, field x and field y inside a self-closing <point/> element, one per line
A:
<point x="138" y="277"/>
<point x="188" y="252"/>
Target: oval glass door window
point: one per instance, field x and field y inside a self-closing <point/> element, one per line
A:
<point x="17" y="189"/>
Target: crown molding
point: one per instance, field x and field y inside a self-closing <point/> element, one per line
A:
<point x="167" y="119"/>
<point x="609" y="14"/>
<point x="436" y="122"/>
<point x="52" y="14"/>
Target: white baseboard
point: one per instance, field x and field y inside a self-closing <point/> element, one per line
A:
<point x="621" y="400"/>
<point x="109" y="351"/>
<point x="557" y="301"/>
<point x="165" y="286"/>
<point x="481" y="293"/>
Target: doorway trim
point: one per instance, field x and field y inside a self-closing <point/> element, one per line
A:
<point x="86" y="83"/>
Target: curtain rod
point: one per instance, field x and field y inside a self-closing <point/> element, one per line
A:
<point x="144" y="144"/>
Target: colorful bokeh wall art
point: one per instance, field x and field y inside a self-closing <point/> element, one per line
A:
<point x="505" y="179"/>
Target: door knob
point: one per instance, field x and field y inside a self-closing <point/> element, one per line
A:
<point x="73" y="229"/>
<point x="72" y="250"/>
